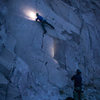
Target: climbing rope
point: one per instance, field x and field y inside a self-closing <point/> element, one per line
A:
<point x="42" y="40"/>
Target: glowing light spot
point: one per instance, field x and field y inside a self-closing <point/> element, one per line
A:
<point x="30" y="14"/>
<point x="52" y="50"/>
<point x="55" y="61"/>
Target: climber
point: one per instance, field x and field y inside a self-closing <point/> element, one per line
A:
<point x="77" y="85"/>
<point x="43" y="22"/>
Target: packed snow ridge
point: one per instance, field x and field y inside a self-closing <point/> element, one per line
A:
<point x="29" y="72"/>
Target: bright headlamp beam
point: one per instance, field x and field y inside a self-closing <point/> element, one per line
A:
<point x="30" y="14"/>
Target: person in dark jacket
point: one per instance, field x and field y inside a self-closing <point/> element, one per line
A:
<point x="77" y="85"/>
<point x="43" y="22"/>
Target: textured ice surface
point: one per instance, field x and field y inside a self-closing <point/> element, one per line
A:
<point x="29" y="72"/>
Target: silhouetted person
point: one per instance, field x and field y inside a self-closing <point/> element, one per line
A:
<point x="43" y="22"/>
<point x="77" y="85"/>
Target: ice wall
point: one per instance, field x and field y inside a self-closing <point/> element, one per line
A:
<point x="33" y="67"/>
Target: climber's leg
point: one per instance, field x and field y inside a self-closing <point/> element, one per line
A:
<point x="75" y="95"/>
<point x="42" y="24"/>
<point x="79" y="95"/>
<point x="49" y="25"/>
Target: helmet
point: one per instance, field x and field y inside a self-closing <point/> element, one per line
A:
<point x="78" y="71"/>
<point x="37" y="14"/>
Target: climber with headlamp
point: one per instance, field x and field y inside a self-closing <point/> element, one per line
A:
<point x="43" y="22"/>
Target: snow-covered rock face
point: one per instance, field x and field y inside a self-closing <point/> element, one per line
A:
<point x="33" y="67"/>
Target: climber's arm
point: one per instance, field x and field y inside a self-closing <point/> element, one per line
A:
<point x="37" y="19"/>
